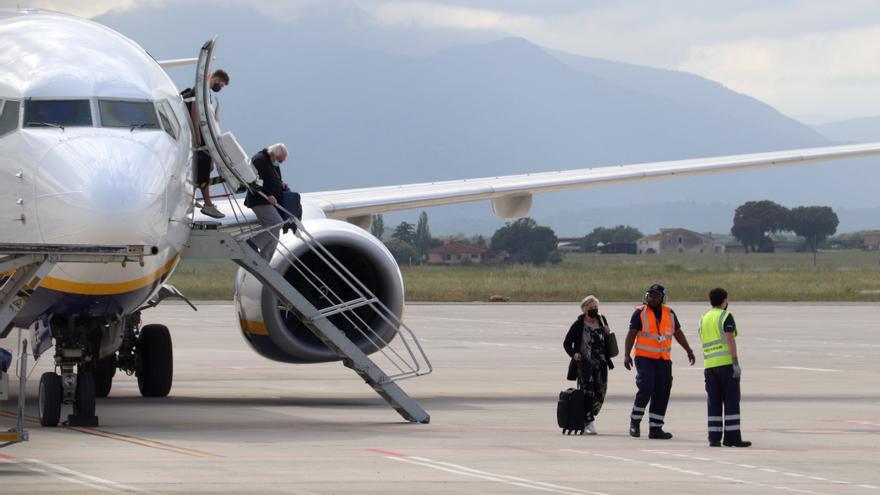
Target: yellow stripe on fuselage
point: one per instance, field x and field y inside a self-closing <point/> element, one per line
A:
<point x="254" y="327"/>
<point x="108" y="289"/>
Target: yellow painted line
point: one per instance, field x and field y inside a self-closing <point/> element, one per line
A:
<point x="254" y="327"/>
<point x="108" y="289"/>
<point x="124" y="438"/>
<point x="143" y="442"/>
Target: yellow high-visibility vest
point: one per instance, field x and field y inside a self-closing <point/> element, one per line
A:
<point x="716" y="352"/>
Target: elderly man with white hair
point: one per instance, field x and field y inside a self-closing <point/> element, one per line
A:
<point x="268" y="164"/>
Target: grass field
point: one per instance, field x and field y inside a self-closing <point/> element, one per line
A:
<point x="838" y="276"/>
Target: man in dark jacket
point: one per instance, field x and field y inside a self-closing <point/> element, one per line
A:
<point x="268" y="164"/>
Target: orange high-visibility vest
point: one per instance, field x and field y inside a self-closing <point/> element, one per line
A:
<point x="655" y="340"/>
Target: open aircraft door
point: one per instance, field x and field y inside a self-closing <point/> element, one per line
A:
<point x="233" y="164"/>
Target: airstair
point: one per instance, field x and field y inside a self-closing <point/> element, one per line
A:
<point x="23" y="267"/>
<point x="402" y="352"/>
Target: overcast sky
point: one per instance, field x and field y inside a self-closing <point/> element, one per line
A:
<point x="814" y="60"/>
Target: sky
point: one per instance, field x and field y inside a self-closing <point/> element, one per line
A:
<point x="814" y="60"/>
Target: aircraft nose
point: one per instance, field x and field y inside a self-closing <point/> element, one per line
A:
<point x="101" y="190"/>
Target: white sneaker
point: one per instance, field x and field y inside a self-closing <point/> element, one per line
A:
<point x="212" y="212"/>
<point x="590" y="428"/>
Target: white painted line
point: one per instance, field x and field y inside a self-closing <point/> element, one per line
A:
<point x="62" y="469"/>
<point x="766" y="470"/>
<point x="801" y="368"/>
<point x="499" y="478"/>
<point x="58" y="476"/>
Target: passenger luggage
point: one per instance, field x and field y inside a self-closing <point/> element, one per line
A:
<point x="570" y="411"/>
<point x="291" y="202"/>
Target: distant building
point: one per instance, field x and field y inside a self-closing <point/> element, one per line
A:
<point x="456" y="253"/>
<point x="872" y="240"/>
<point x="678" y="241"/>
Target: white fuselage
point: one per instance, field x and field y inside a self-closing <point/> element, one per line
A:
<point x="104" y="182"/>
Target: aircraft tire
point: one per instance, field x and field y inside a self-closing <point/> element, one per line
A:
<point x="84" y="405"/>
<point x="105" y="370"/>
<point x="50" y="399"/>
<point x="157" y="362"/>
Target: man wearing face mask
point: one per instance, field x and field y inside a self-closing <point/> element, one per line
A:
<point x="268" y="164"/>
<point x="204" y="164"/>
<point x="722" y="372"/>
<point x="651" y="329"/>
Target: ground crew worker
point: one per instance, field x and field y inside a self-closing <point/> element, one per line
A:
<point x="651" y="329"/>
<point x="722" y="372"/>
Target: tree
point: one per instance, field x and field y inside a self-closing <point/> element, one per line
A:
<point x="404" y="253"/>
<point x="813" y="223"/>
<point x="620" y="234"/>
<point x="423" y="236"/>
<point x="526" y="242"/>
<point x="378" y="228"/>
<point x="405" y="232"/>
<point x="755" y="220"/>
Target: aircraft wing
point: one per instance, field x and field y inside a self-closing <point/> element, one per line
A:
<point x="511" y="196"/>
<point x="509" y="192"/>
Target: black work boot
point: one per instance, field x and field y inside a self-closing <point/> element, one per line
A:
<point x="738" y="443"/>
<point x="659" y="434"/>
<point x="634" y="429"/>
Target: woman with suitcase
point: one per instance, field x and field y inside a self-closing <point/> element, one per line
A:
<point x="591" y="345"/>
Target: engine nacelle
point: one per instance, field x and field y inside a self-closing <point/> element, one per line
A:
<point x="278" y="335"/>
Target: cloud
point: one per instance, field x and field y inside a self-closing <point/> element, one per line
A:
<point x="89" y="9"/>
<point x="437" y="15"/>
<point x="812" y="75"/>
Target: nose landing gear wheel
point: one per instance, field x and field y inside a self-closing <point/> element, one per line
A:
<point x="105" y="370"/>
<point x="156" y="361"/>
<point x="50" y="399"/>
<point x="84" y="401"/>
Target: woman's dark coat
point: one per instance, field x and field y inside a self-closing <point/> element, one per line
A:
<point x="572" y="345"/>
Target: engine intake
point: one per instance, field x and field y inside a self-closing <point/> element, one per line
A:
<point x="278" y="334"/>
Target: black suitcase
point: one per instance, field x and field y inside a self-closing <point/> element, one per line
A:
<point x="570" y="411"/>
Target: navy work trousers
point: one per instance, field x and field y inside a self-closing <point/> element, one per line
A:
<point x="723" y="404"/>
<point x="654" y="381"/>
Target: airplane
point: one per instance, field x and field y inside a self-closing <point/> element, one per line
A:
<point x="96" y="148"/>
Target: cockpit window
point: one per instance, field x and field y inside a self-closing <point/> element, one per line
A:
<point x="57" y="113"/>
<point x="8" y="116"/>
<point x="169" y="122"/>
<point x="133" y="114"/>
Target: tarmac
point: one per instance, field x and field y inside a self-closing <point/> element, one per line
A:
<point x="238" y="423"/>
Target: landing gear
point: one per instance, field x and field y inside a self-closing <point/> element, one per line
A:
<point x="84" y="400"/>
<point x="105" y="370"/>
<point x="67" y="388"/>
<point x="156" y="363"/>
<point x="50" y="399"/>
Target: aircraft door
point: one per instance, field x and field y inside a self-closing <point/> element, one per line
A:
<point x="233" y="164"/>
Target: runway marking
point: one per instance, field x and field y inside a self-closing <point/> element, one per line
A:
<point x="692" y="472"/>
<point x="143" y="442"/>
<point x="69" y="475"/>
<point x="766" y="470"/>
<point x="460" y="470"/>
<point x="124" y="438"/>
<point x="863" y="423"/>
<point x="801" y="368"/>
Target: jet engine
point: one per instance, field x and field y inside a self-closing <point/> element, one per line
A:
<point x="278" y="334"/>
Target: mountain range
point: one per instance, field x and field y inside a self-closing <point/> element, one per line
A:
<point x="355" y="114"/>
